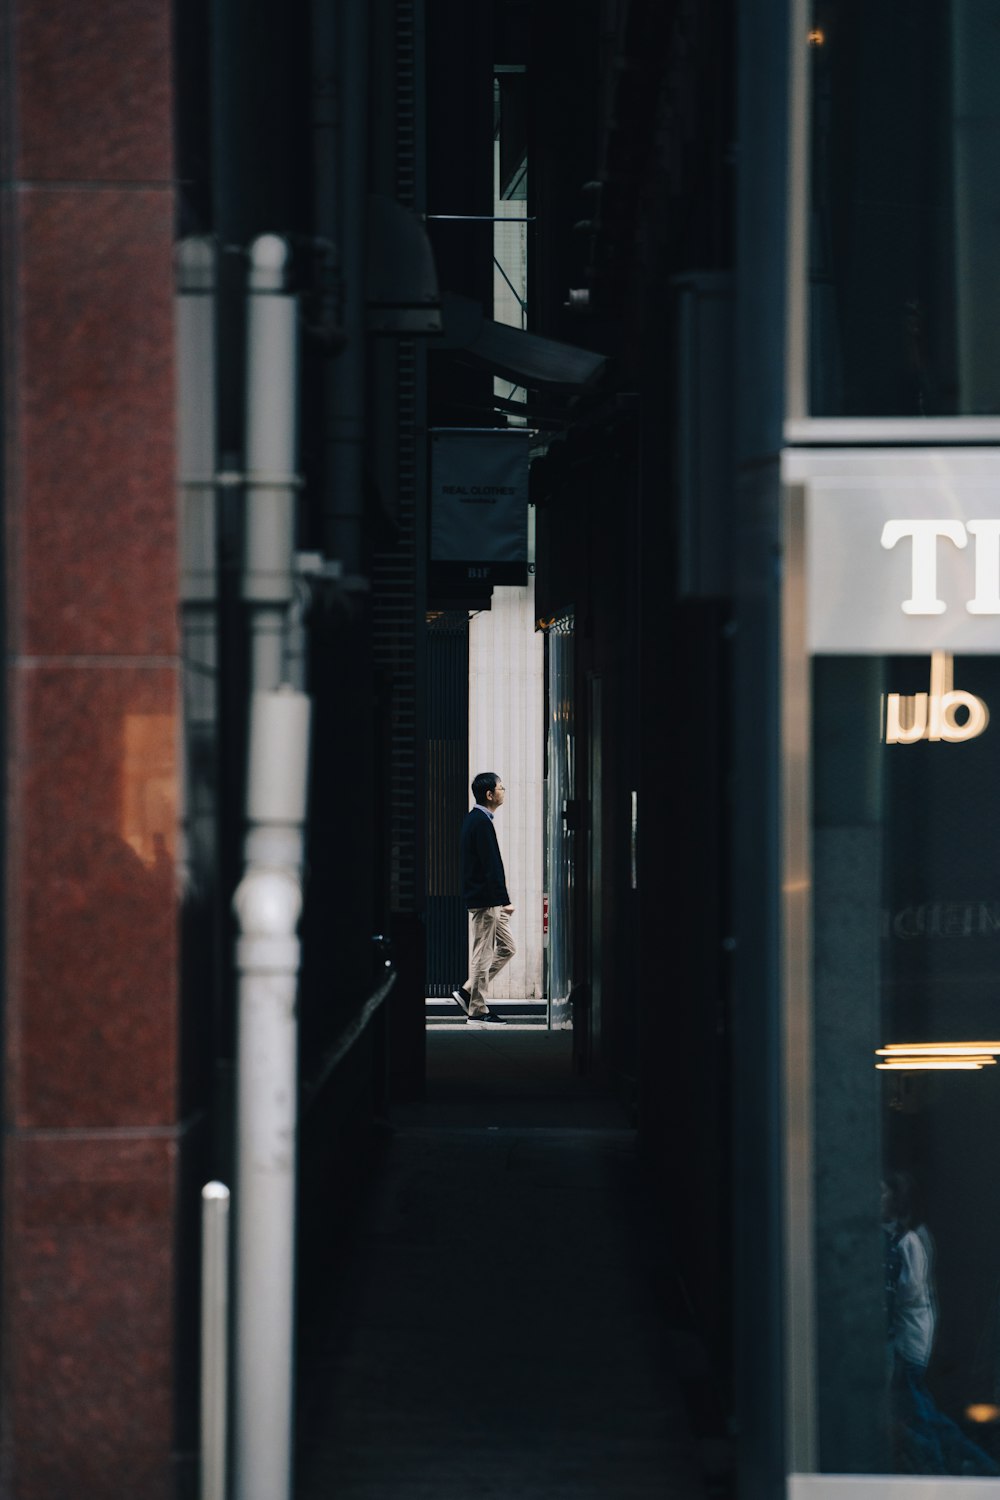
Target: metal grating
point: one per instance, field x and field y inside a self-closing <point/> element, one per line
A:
<point x="406" y="103"/>
<point x="396" y="572"/>
<point x="395" y="609"/>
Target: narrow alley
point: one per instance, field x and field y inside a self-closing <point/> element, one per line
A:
<point x="504" y="1321"/>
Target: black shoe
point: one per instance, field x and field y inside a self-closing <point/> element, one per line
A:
<point x="462" y="998"/>
<point x="490" y="1019"/>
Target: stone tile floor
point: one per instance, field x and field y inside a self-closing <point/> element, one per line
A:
<point x="498" y="1329"/>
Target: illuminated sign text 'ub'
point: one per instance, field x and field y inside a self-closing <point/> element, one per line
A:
<point x="934" y="715"/>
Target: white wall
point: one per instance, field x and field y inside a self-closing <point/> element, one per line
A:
<point x="506" y="659"/>
<point x="506" y="665"/>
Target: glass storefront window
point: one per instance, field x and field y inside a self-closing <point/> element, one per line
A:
<point x="904" y="274"/>
<point x="906" y="974"/>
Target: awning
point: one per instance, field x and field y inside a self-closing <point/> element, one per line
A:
<point x="525" y="358"/>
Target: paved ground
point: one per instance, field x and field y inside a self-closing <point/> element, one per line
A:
<point x="499" y="1329"/>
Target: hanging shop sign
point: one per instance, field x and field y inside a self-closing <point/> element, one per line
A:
<point x="479" y="506"/>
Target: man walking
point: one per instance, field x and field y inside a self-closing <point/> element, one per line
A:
<point x="484" y="890"/>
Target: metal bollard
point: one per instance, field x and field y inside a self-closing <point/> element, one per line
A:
<point x="214" y="1338"/>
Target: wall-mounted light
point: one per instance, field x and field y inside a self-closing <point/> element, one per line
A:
<point x="969" y="1057"/>
<point x="935" y="1065"/>
<point x="982" y="1411"/>
<point x="939" y="1049"/>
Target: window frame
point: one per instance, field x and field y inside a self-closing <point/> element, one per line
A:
<point x="800" y="426"/>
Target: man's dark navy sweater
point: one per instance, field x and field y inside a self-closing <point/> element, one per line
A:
<point x="483" y="882"/>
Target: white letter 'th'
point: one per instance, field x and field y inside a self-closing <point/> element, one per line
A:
<point x="923" y="600"/>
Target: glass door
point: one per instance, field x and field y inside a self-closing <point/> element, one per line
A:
<point x="891" y="731"/>
<point x="905" y="1045"/>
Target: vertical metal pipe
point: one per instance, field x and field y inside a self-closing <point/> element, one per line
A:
<point x="767" y="34"/>
<point x="268" y="904"/>
<point x="214" y="1338"/>
<point x="268" y="901"/>
<point x="340" y="119"/>
<point x="196" y="373"/>
<point x="271" y="480"/>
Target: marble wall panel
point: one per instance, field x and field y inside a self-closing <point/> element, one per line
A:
<point x="94" y="90"/>
<point x="92" y="919"/>
<point x="89" y="1314"/>
<point x="93" y="538"/>
<point x="92" y="1224"/>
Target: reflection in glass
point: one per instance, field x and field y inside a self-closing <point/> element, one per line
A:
<point x="149" y="794"/>
<point x="904" y="281"/>
<point x="924" y="1440"/>
<point x="906" y="1094"/>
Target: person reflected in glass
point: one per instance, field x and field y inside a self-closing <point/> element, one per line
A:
<point x="925" y="1441"/>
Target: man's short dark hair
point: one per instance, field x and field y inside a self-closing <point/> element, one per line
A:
<point x="485" y="782"/>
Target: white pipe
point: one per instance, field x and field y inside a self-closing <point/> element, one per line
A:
<point x="277" y="779"/>
<point x="279" y="755"/>
<point x="268" y="904"/>
<point x="214" y="1338"/>
<point x="271" y="480"/>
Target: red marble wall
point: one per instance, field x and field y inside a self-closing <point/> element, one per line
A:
<point x="93" y="1139"/>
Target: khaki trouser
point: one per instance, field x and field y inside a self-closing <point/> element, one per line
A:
<point x="492" y="947"/>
